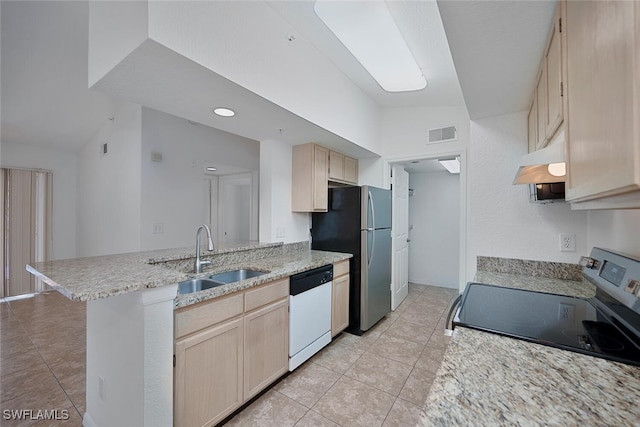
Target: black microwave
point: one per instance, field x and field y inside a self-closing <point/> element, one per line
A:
<point x="546" y="193"/>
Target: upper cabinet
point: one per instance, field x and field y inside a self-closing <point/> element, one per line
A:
<point x="546" y="113"/>
<point x="603" y="104"/>
<point x="313" y="167"/>
<point x="342" y="168"/>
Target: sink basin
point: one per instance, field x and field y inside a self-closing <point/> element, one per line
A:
<point x="196" y="285"/>
<point x="235" y="275"/>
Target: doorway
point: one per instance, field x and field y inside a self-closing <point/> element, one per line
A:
<point x="231" y="207"/>
<point x="26" y="200"/>
<point x="425" y="225"/>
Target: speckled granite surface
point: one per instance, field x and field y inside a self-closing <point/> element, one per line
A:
<point x="490" y="380"/>
<point x="554" y="270"/>
<point x="85" y="279"/>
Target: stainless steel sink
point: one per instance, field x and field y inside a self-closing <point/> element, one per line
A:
<point x="235" y="275"/>
<point x="196" y="285"/>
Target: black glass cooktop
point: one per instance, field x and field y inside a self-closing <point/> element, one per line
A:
<point x="570" y="323"/>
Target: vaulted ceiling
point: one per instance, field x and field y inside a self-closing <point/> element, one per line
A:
<point x="482" y="54"/>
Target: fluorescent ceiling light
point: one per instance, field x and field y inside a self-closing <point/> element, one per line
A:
<point x="211" y="169"/>
<point x="224" y="112"/>
<point x="368" y="31"/>
<point x="452" y="165"/>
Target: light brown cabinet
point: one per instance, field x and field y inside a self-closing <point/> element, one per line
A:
<point x="313" y="167"/>
<point x="343" y="169"/>
<point x="266" y="346"/>
<point x="547" y="107"/>
<point x="340" y="297"/>
<point x="310" y="178"/>
<point x="603" y="91"/>
<point x="227" y="350"/>
<point x="206" y="392"/>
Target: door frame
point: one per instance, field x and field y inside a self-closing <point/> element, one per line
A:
<point x="464" y="202"/>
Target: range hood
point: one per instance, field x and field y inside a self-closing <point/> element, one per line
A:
<point x="543" y="166"/>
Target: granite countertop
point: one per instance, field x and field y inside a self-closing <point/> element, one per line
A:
<point x="91" y="278"/>
<point x="488" y="379"/>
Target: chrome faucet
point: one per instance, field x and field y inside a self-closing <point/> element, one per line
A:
<point x="199" y="263"/>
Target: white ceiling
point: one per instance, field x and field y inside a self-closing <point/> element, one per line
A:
<point x="496" y="47"/>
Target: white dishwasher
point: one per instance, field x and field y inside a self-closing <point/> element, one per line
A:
<point x="309" y="314"/>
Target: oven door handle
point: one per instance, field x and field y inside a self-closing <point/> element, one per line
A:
<point x="448" y="329"/>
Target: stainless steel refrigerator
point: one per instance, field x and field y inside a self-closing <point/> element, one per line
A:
<point x="359" y="222"/>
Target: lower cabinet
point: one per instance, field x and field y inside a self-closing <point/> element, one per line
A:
<point x="227" y="350"/>
<point x="266" y="346"/>
<point x="340" y="298"/>
<point x="208" y="374"/>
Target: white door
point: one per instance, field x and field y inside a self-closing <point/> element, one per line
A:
<point x="235" y="208"/>
<point x="400" y="232"/>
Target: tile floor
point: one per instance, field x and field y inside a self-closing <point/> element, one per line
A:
<point x="379" y="379"/>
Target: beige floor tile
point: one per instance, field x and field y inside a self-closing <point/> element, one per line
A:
<point x="398" y="349"/>
<point x="337" y="356"/>
<point x="430" y="358"/>
<point x="382" y="373"/>
<point x="17" y="344"/>
<point x="352" y="403"/>
<point x="308" y="383"/>
<point x="28" y="360"/>
<point x="403" y="414"/>
<point x="272" y="409"/>
<point x="417" y="387"/>
<point x="313" y="419"/>
<point x="408" y="330"/>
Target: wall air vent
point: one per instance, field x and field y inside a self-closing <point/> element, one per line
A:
<point x="445" y="134"/>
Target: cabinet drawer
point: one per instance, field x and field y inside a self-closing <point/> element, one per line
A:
<point x="208" y="313"/>
<point x="341" y="268"/>
<point x="266" y="294"/>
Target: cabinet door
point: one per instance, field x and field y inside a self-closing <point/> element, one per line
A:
<point x="208" y="374"/>
<point x="603" y="89"/>
<point x="532" y="125"/>
<point x="351" y="170"/>
<point x="320" y="178"/>
<point x="554" y="79"/>
<point x="339" y="304"/>
<point x="336" y="166"/>
<point x="541" y="97"/>
<point x="266" y="341"/>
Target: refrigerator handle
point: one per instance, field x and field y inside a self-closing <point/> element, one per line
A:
<point x="371" y="229"/>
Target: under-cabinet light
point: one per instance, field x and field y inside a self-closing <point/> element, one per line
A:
<point x="369" y="32"/>
<point x="557" y="169"/>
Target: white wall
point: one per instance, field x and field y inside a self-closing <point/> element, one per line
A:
<point x="502" y="222"/>
<point x="108" y="197"/>
<point x="275" y="196"/>
<point x="172" y="189"/>
<point x="618" y="230"/>
<point x="63" y="166"/>
<point x="434" y="213"/>
<point x="404" y="131"/>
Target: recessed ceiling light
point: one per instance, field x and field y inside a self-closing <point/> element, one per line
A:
<point x="224" y="112"/>
<point x="370" y="33"/>
<point x="211" y="169"/>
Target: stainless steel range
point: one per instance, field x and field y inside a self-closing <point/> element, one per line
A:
<point x="606" y="326"/>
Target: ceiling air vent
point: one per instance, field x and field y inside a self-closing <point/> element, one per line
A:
<point x="442" y="135"/>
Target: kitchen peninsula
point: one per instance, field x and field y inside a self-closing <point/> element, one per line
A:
<point x="130" y="317"/>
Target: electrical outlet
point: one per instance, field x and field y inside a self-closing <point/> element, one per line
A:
<point x="567" y="242"/>
<point x="565" y="312"/>
<point x="281" y="232"/>
<point x="158" y="228"/>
